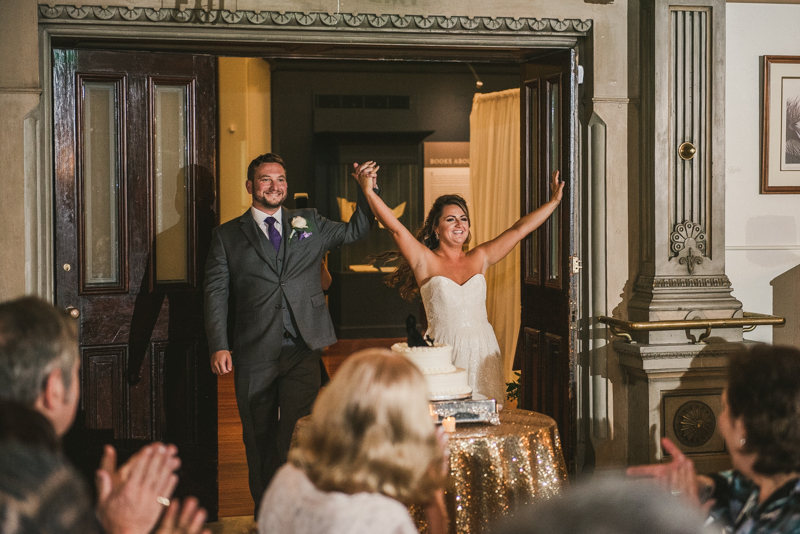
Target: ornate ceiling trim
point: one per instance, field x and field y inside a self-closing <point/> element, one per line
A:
<point x="200" y="18"/>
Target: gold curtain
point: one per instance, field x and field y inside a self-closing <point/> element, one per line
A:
<point x="494" y="177"/>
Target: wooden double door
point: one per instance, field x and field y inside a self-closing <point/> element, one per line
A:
<point x="135" y="187"/>
<point x="547" y="354"/>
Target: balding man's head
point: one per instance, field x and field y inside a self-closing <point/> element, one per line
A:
<point x="39" y="359"/>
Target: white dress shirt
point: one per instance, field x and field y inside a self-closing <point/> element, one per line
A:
<point x="261" y="217"/>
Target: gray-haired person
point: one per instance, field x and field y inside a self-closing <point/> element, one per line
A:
<point x="39" y="491"/>
<point x="612" y="505"/>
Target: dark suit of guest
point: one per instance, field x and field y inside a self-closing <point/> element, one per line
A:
<point x="281" y="323"/>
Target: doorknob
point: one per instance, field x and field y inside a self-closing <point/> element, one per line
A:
<point x="73" y="312"/>
<point x="687" y="151"/>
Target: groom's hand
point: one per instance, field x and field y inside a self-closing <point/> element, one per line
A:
<point x="221" y="362"/>
<point x="366" y="174"/>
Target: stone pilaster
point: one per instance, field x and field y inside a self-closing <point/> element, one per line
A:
<point x="682" y="241"/>
<point x="673" y="383"/>
<point x="674" y="391"/>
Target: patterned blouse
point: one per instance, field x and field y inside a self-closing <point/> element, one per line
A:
<point x="737" y="509"/>
<point x="40" y="492"/>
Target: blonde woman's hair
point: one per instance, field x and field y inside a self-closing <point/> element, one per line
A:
<point x="371" y="431"/>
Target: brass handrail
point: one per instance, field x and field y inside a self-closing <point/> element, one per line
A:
<point x="750" y="320"/>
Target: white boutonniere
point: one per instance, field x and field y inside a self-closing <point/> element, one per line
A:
<point x="300" y="225"/>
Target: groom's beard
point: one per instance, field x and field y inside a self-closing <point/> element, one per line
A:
<point x="266" y="204"/>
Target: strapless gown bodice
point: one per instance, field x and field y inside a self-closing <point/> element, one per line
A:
<point x="457" y="316"/>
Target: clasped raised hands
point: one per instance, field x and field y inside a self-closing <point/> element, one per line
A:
<point x="366" y="174"/>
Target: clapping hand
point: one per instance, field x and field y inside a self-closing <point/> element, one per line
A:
<point x="190" y="520"/>
<point x="132" y="498"/>
<point x="678" y="476"/>
<point x="366" y="174"/>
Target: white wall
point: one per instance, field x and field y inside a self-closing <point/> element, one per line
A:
<point x="243" y="96"/>
<point x="762" y="232"/>
<point x="19" y="98"/>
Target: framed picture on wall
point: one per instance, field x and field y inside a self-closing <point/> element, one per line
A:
<point x="780" y="146"/>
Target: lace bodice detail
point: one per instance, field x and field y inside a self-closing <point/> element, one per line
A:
<point x="453" y="308"/>
<point x="457" y="316"/>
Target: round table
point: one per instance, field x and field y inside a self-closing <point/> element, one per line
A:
<point x="495" y="468"/>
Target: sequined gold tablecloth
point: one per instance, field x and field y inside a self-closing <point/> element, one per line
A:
<point x="496" y="468"/>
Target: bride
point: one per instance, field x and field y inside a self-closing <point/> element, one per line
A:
<point x="451" y="280"/>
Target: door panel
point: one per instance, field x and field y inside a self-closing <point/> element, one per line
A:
<point x="530" y="373"/>
<point x="101" y="184"/>
<point x="135" y="180"/>
<point x="104" y="397"/>
<point x="546" y="352"/>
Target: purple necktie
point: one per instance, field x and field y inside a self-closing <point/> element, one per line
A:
<point x="273" y="233"/>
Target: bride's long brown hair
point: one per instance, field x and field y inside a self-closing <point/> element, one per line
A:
<point x="427" y="236"/>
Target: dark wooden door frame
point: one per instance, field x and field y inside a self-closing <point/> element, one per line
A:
<point x="142" y="376"/>
<point x="315" y="35"/>
<point x="547" y="350"/>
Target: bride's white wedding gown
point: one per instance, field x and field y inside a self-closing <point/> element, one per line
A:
<point x="457" y="316"/>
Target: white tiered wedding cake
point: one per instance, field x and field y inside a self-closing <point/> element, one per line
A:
<point x="445" y="380"/>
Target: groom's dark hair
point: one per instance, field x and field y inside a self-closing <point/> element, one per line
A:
<point x="269" y="157"/>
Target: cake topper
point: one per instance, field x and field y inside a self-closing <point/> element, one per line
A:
<point x="415" y="339"/>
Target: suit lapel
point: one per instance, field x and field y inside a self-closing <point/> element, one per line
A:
<point x="288" y="246"/>
<point x="286" y="243"/>
<point x="251" y="232"/>
<point x="287" y="229"/>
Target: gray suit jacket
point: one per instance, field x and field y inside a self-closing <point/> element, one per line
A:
<point x="245" y="272"/>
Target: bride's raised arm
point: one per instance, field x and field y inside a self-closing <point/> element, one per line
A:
<point x="411" y="249"/>
<point x="497" y="249"/>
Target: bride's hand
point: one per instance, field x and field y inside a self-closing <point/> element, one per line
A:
<point x="366" y="175"/>
<point x="556" y="187"/>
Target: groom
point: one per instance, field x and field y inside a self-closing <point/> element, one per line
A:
<point x="262" y="286"/>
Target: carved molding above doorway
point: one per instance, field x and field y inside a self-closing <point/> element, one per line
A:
<point x="287" y="20"/>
